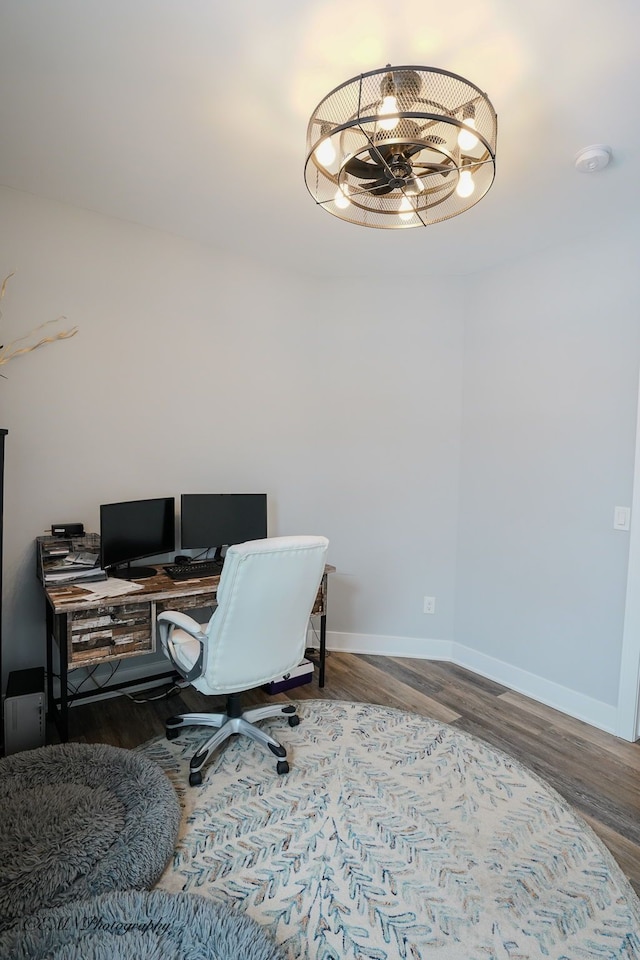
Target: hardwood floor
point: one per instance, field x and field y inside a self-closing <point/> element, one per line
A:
<point x="598" y="774"/>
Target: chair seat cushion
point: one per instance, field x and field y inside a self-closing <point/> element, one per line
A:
<point x="186" y="650"/>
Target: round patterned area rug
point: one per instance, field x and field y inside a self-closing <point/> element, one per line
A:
<point x="395" y="836"/>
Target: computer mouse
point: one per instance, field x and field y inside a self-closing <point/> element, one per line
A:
<point x="183" y="559"/>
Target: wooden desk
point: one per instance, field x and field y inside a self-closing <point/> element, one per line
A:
<point x="88" y="633"/>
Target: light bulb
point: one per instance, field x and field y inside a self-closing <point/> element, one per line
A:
<point x="413" y="186"/>
<point x="405" y="210"/>
<point x="389" y="105"/>
<point x="325" y="153"/>
<point x="341" y="198"/>
<point x="467" y="140"/>
<point x="466" y="186"/>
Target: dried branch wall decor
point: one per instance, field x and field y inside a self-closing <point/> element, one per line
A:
<point x="12" y="349"/>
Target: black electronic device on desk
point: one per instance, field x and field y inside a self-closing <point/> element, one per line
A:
<point x="134" y="530"/>
<point x="194" y="570"/>
<point x="214" y="521"/>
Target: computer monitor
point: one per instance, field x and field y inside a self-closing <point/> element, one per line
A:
<point x="133" y="530"/>
<point x="217" y="520"/>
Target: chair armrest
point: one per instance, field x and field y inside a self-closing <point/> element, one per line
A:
<point x="181" y="620"/>
<point x="167" y="623"/>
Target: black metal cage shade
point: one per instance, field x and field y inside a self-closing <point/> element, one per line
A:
<point x="401" y="147"/>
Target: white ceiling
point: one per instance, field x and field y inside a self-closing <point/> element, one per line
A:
<point x="190" y="116"/>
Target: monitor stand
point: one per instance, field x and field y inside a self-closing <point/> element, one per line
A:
<point x="133" y="573"/>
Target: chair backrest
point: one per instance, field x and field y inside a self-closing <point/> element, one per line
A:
<point x="265" y="597"/>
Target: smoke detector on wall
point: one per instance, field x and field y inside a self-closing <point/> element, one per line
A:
<point x="593" y="159"/>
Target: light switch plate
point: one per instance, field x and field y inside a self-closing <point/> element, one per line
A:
<point x="621" y="518"/>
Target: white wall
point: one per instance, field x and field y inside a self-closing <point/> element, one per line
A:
<point x="387" y="455"/>
<point x="466" y="440"/>
<point x="550" y="394"/>
<point x="344" y="408"/>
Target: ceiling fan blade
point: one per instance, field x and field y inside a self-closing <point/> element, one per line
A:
<point x="412" y="150"/>
<point x="378" y="187"/>
<point x="382" y="153"/>
<point x="362" y="170"/>
<point x="423" y="169"/>
<point x="386" y="154"/>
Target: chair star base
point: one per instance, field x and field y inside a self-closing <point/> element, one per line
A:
<point x="234" y="720"/>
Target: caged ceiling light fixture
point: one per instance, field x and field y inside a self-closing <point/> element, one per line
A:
<point x="401" y="147"/>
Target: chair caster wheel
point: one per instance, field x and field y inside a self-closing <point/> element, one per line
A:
<point x="282" y="766"/>
<point x="195" y="779"/>
<point x="294" y="720"/>
<point x="172" y="732"/>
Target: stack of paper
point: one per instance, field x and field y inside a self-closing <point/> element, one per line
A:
<point x="73" y="574"/>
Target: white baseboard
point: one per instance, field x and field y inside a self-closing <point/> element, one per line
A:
<point x="384" y="646"/>
<point x="574" y="704"/>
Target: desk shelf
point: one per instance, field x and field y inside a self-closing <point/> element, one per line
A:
<point x="204" y="599"/>
<point x="112" y="632"/>
<point x="51" y="551"/>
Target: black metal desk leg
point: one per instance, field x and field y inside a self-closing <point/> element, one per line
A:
<point x="63" y="727"/>
<point x="323" y="648"/>
<point x="57" y="708"/>
<point x="49" y="628"/>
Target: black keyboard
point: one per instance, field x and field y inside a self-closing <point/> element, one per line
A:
<point x="194" y="570"/>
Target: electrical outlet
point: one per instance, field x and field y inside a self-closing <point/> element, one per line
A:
<point x="429" y="604"/>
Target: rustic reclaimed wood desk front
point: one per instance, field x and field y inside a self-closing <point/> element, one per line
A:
<point x="90" y="632"/>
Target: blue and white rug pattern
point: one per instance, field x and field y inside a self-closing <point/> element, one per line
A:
<point x="395" y="836"/>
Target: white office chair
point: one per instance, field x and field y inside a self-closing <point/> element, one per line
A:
<point x="256" y="634"/>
